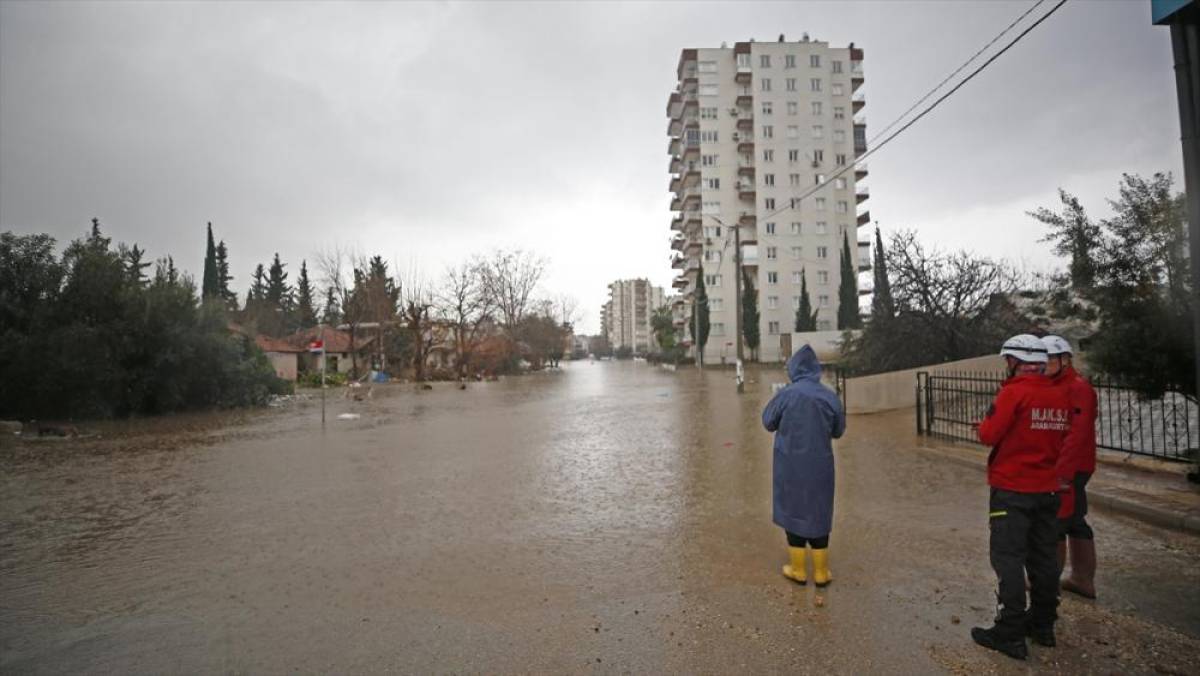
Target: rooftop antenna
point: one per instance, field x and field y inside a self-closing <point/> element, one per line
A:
<point x="781" y="37"/>
<point x="804" y="37"/>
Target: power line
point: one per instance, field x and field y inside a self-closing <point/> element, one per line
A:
<point x="923" y="113"/>
<point x="956" y="71"/>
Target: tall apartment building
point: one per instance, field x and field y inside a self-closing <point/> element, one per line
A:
<point x="754" y="128"/>
<point x="625" y="318"/>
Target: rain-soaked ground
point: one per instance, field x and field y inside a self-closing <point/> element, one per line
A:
<point x="612" y="517"/>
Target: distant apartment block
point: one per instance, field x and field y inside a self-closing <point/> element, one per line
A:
<point x="625" y="318"/>
<point x="754" y="129"/>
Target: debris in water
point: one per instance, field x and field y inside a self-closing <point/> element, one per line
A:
<point x="348" y="416"/>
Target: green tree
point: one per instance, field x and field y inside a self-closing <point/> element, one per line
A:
<point x="306" y="316"/>
<point x="210" y="286"/>
<point x="750" y="316"/>
<point x="700" y="320"/>
<point x="224" y="278"/>
<point x="1075" y="236"/>
<point x="278" y="293"/>
<point x="663" y="326"/>
<point x="806" y="315"/>
<point x="134" y="265"/>
<point x="882" y="305"/>
<point x="848" y="314"/>
<point x="331" y="314"/>
<point x="258" y="285"/>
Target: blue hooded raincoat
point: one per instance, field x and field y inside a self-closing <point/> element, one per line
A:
<point x="805" y="417"/>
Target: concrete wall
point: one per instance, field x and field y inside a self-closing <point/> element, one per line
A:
<point x="897" y="389"/>
<point x="284" y="364"/>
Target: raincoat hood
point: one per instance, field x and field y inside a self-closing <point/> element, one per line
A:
<point x="804" y="365"/>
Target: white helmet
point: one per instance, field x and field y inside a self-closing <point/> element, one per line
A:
<point x="1056" y="345"/>
<point x="1026" y="348"/>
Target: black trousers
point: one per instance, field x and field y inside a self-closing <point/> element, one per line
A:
<point x="1024" y="529"/>
<point x="816" y="543"/>
<point x="1076" y="526"/>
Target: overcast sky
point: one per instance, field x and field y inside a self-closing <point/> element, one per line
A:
<point x="427" y="132"/>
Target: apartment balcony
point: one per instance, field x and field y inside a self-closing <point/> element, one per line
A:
<point x="745" y="98"/>
<point x="691" y="151"/>
<point x="678" y="242"/>
<point x="747" y="219"/>
<point x="674" y="145"/>
<point x="857" y="102"/>
<point x="745" y="123"/>
<point x="678" y="262"/>
<point x="676" y="184"/>
<point x="691" y="202"/>
<point x="680" y="282"/>
<point x="693" y="264"/>
<point x="674" y="104"/>
<point x="746" y="168"/>
<point x="856" y="81"/>
<point x="748" y="234"/>
<point x="675" y="166"/>
<point x="691" y="218"/>
<point x="860" y="172"/>
<point x="675" y="127"/>
<point x="693" y="247"/>
<point x="864" y="218"/>
<point x="746" y="190"/>
<point x="862" y="193"/>
<point x="676" y="203"/>
<point x="749" y="255"/>
<point x="864" y="256"/>
<point x="677" y="223"/>
<point x="745" y="143"/>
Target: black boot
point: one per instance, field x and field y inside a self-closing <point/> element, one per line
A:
<point x="996" y="639"/>
<point x="1042" y="635"/>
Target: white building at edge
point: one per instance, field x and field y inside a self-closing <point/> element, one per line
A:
<point x="752" y="128"/>
<point x="625" y="318"/>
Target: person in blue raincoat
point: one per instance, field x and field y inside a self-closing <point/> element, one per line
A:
<point x="805" y="417"/>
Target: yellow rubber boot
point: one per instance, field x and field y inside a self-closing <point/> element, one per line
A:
<point x="796" y="571"/>
<point x="821" y="574"/>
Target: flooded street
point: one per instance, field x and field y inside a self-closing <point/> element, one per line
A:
<point x="613" y="517"/>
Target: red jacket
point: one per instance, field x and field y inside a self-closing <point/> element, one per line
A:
<point x="1026" y="427"/>
<point x="1080" y="449"/>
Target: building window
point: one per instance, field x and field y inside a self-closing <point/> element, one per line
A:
<point x="793" y="131"/>
<point x="839" y="113"/>
<point x="822" y="228"/>
<point x="791" y="84"/>
<point x="709" y="89"/>
<point x="712" y="280"/>
<point x="818" y="131"/>
<point x="769" y="204"/>
<point x="693" y="136"/>
<point x="718" y="328"/>
<point x="794" y="180"/>
<point x="816" y="107"/>
<point x="814" y="60"/>
<point x="765" y="84"/>
<point x="772" y="278"/>
<point x="712" y="256"/>
<point x="837" y="66"/>
<point x="841" y="159"/>
<point x="793" y="156"/>
<point x="818" y="179"/>
<point x="708" y="113"/>
<point x="793" y="108"/>
<point x="837" y="90"/>
<point x="769" y="179"/>
<point x="824" y="325"/>
<point x="795" y="302"/>
<point x="768" y="155"/>
<point x="795" y="203"/>
<point x="768" y="131"/>
<point x="796" y="228"/>
<point x="708" y="136"/>
<point x="770" y="226"/>
<point x="711" y="207"/>
<point x="822" y="252"/>
<point x="839" y="136"/>
<point x="712" y="231"/>
<point x="839" y="183"/>
<point x="708" y="66"/>
<point x="789" y="61"/>
<point x="772" y="253"/>
<point x="822" y="276"/>
<point x="815" y="84"/>
<point x="764" y="60"/>
<point x="716" y="304"/>
<point x="818" y="156"/>
<point x="712" y="183"/>
<point x="820" y="204"/>
<point x="797" y="252"/>
<point x="743" y="60"/>
<point x="766" y="107"/>
<point x="843" y="207"/>
<point x="796" y="278"/>
<point x="772" y="302"/>
<point x="773" y="328"/>
<point x="708" y="160"/>
<point x="823" y="301"/>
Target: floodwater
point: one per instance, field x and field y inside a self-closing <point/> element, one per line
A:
<point x="612" y="517"/>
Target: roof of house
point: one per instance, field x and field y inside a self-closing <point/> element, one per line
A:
<point x="269" y="344"/>
<point x="335" y="340"/>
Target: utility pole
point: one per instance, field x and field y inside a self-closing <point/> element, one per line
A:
<point x="696" y="325"/>
<point x="737" y="296"/>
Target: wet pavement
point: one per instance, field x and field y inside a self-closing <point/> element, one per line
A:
<point x="612" y="517"/>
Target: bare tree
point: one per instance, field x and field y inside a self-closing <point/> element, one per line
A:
<point x="416" y="311"/>
<point x="462" y="303"/>
<point x="337" y="266"/>
<point x="509" y="279"/>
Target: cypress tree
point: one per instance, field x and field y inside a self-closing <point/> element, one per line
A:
<point x="806" y="316"/>
<point x="278" y="293"/>
<point x="750" y="315"/>
<point x="304" y="299"/>
<point x="700" y="315"/>
<point x="848" y="316"/>
<point x="258" y="287"/>
<point x="882" y="305"/>
<point x="210" y="285"/>
<point x="224" y="278"/>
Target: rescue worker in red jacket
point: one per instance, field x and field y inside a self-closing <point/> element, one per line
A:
<point x="1026" y="427"/>
<point x="1080" y="451"/>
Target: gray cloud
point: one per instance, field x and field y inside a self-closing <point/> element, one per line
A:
<point x="425" y="132"/>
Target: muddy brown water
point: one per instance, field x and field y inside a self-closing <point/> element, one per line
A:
<point x="612" y="517"/>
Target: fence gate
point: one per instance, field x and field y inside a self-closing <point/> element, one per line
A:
<point x="1168" y="427"/>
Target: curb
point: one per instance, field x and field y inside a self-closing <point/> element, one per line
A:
<point x="1186" y="522"/>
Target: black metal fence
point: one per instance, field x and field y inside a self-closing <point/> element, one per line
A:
<point x="1167" y="427"/>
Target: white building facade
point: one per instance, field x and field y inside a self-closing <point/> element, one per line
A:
<point x="754" y="130"/>
<point x="625" y="318"/>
